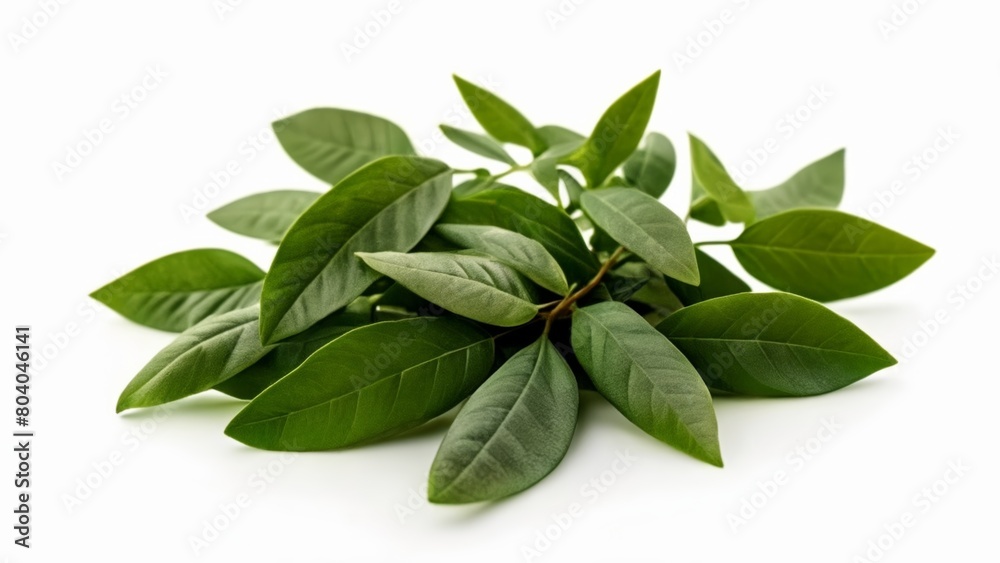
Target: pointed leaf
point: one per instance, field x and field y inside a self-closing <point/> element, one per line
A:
<point x="373" y="382"/>
<point x="177" y="291"/>
<point x="573" y="189"/>
<point x="515" y="210"/>
<point x="500" y="119"/>
<point x="773" y="344"/>
<point x="713" y="184"/>
<point x="820" y="184"/>
<point x="617" y="133"/>
<point x="706" y="210"/>
<point x="646" y="378"/>
<point x="545" y="168"/>
<point x="654" y="291"/>
<point x="643" y="225"/>
<point x="716" y="281"/>
<point x="473" y="286"/>
<point x="514" y="430"/>
<point x="264" y="216"/>
<point x="628" y="279"/>
<point x="331" y="143"/>
<point x="475" y="185"/>
<point x="557" y="135"/>
<point x="388" y="205"/>
<point x="206" y="354"/>
<point x="826" y="255"/>
<point x="479" y="144"/>
<point x="289" y="354"/>
<point x="651" y="168"/>
<point x="526" y="256"/>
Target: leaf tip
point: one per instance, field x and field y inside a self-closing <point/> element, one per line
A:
<point x="442" y="494"/>
<point x="233" y="429"/>
<point x="267" y="331"/>
<point x="213" y="216"/>
<point x="124" y="402"/>
<point x="693" y="274"/>
<point x="365" y="257"/>
<point x="711" y="455"/>
<point x="433" y="492"/>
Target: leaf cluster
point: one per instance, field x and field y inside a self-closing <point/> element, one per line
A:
<point x="409" y="287"/>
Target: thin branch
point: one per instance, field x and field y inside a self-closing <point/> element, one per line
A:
<point x="568" y="302"/>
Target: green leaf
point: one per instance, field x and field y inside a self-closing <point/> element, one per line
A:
<point x="573" y="188"/>
<point x="331" y="143"/>
<point x="826" y="255"/>
<point x="514" y="430"/>
<point x="515" y="210"/>
<point x="654" y="291"/>
<point x="651" y="168"/>
<point x="500" y="119"/>
<point x="475" y="185"/>
<point x="545" y="168"/>
<point x="373" y="382"/>
<point x="389" y="204"/>
<point x="706" y="210"/>
<point x="519" y="252"/>
<point x="289" y="354"/>
<point x="206" y="354"/>
<point x="617" y="133"/>
<point x="177" y="291"/>
<point x="479" y="144"/>
<point x="821" y="184"/>
<point x="646" y="378"/>
<point x="264" y="216"/>
<point x="628" y="279"/>
<point x="773" y="344"/>
<point x="716" y="281"/>
<point x="473" y="286"/>
<point x="711" y="182"/>
<point x="602" y="242"/>
<point x="648" y="229"/>
<point x="557" y="135"/>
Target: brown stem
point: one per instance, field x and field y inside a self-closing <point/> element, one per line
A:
<point x="569" y="300"/>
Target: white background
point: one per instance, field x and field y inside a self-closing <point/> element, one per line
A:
<point x="226" y="77"/>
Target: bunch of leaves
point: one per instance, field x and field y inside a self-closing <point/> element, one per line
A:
<point x="409" y="287"/>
